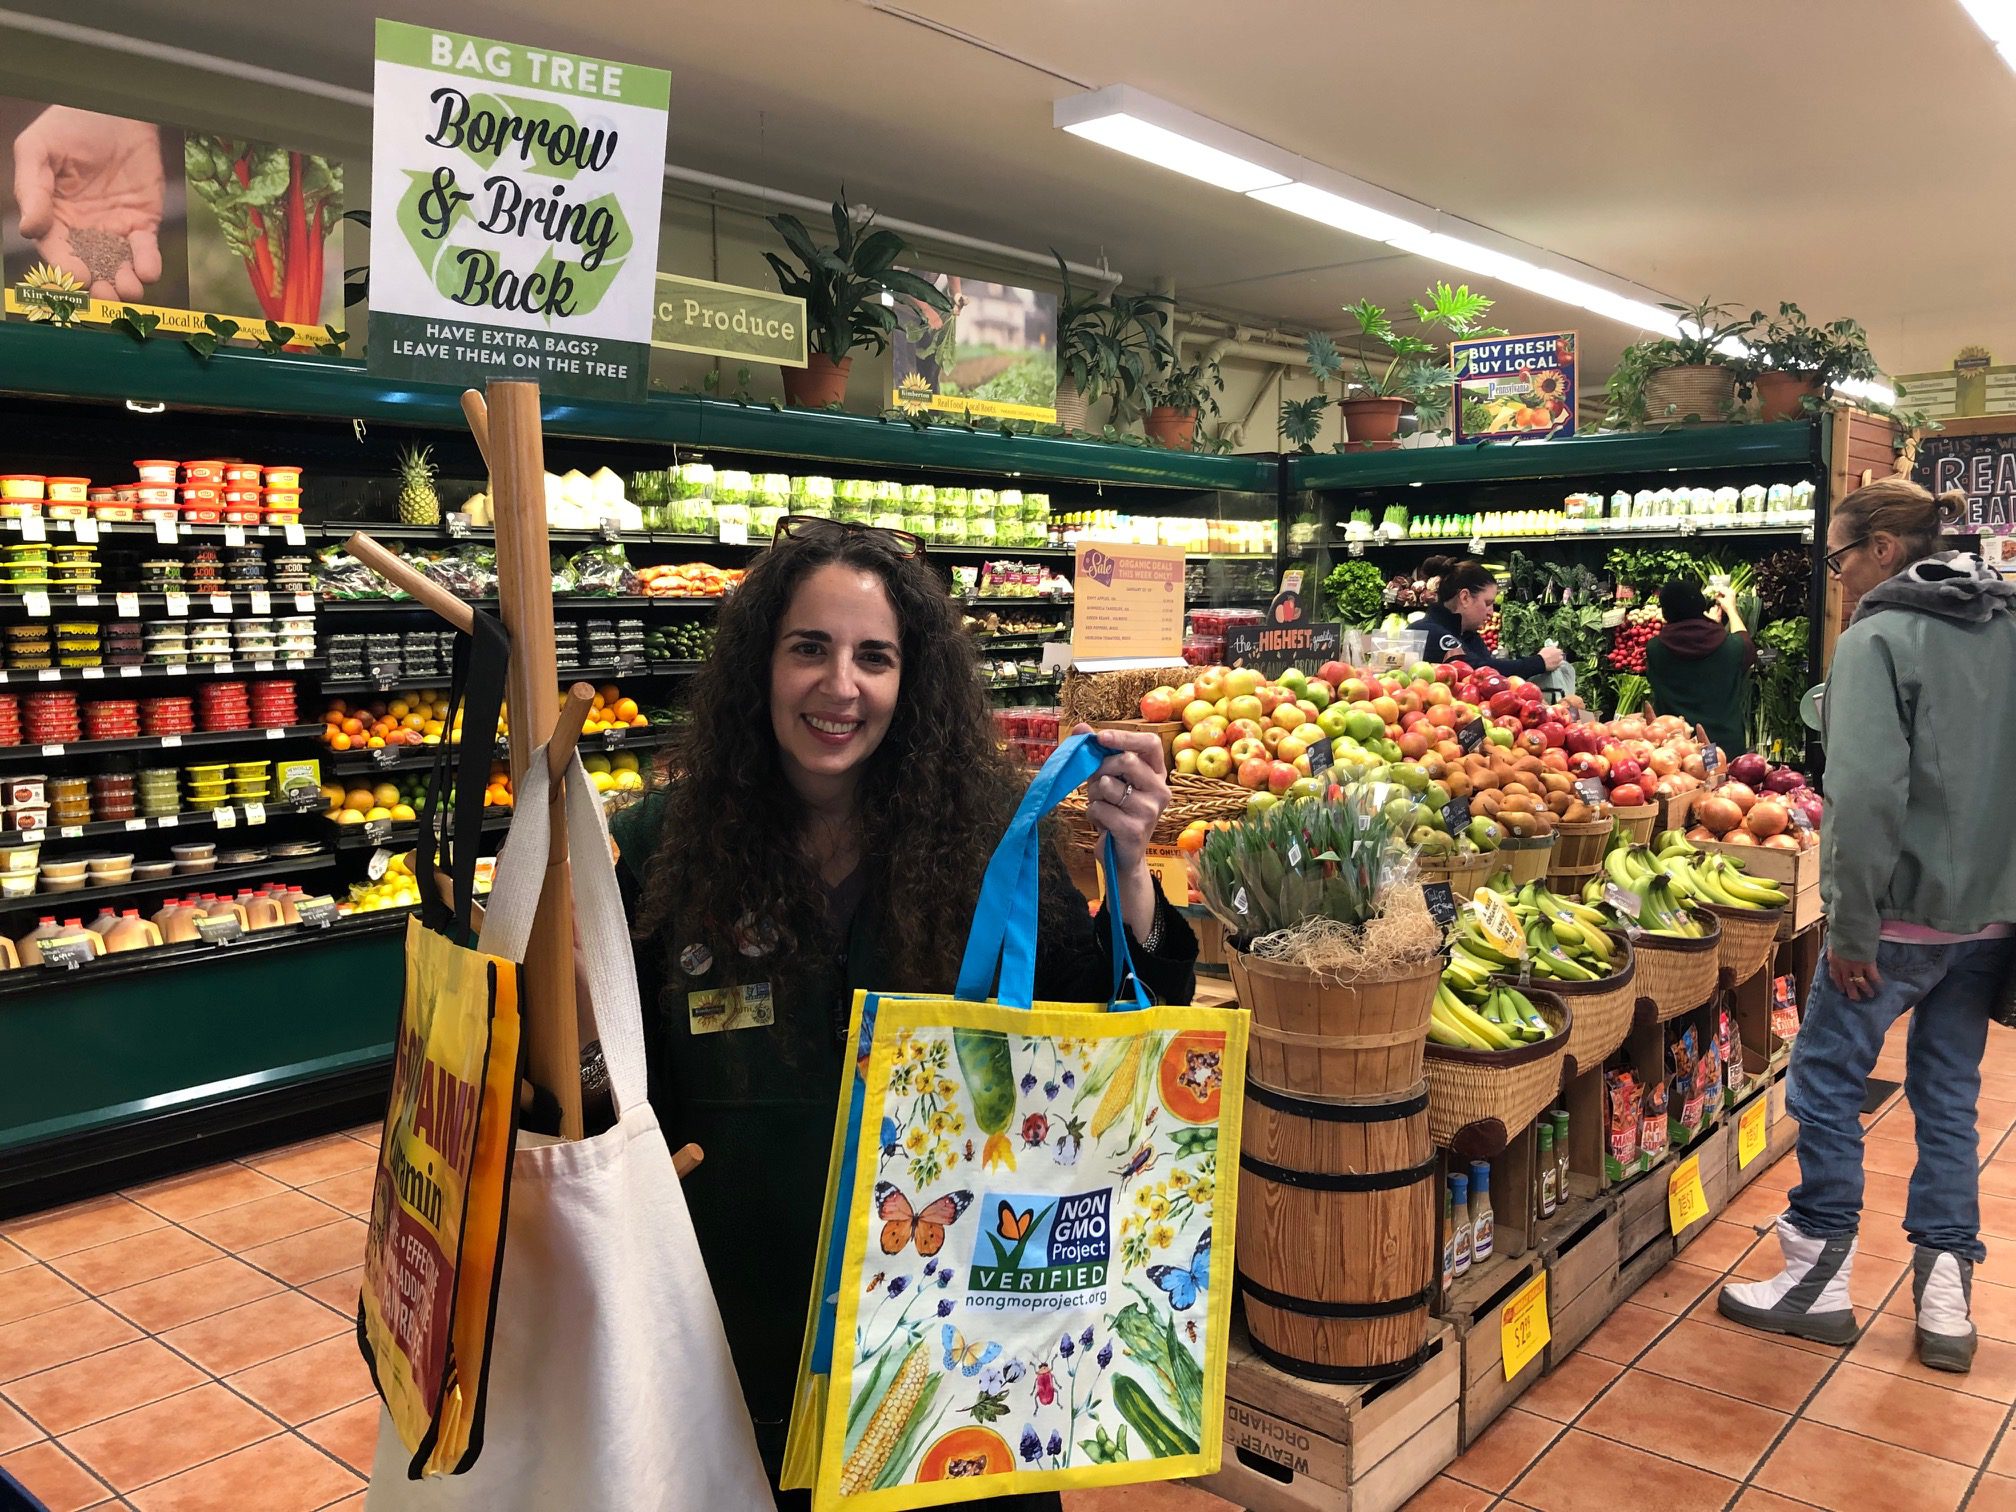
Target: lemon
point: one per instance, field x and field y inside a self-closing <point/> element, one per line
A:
<point x="629" y="781"/>
<point x="385" y="794"/>
<point x="380" y="812"/>
<point x="603" y="781"/>
<point x="623" y="761"/>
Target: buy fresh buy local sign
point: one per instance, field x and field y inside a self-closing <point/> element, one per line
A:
<point x="515" y="200"/>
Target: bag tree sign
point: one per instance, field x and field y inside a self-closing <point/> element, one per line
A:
<point x="516" y="195"/>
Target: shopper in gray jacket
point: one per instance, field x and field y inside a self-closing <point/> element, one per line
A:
<point x="1916" y="870"/>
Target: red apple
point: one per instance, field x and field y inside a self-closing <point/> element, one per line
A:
<point x="1627" y="795"/>
<point x="1253" y="772"/>
<point x="1281" y="776"/>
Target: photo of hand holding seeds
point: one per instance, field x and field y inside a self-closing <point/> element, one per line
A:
<point x="90" y="189"/>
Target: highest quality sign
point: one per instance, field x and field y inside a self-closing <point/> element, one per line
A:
<point x="515" y="203"/>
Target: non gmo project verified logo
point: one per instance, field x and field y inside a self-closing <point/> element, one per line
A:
<point x="1039" y="1245"/>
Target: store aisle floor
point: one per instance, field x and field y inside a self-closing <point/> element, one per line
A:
<point x="186" y="1346"/>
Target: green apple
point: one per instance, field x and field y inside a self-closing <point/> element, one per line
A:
<point x="1214" y="761"/>
<point x="1318" y="693"/>
<point x="1334" y="721"/>
<point x="1362" y="724"/>
<point x="1294" y="679"/>
<point x="1306" y="787"/>
<point x="1260" y="801"/>
<point x="1499" y="736"/>
<point x="1422" y="672"/>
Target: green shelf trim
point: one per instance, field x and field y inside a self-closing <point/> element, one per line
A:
<point x="41" y="360"/>
<point x="1783" y="443"/>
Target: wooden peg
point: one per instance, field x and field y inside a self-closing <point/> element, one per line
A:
<point x="477" y="412"/>
<point x="414" y="583"/>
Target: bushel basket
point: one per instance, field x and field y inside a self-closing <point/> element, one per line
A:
<point x="1748" y="935"/>
<point x="1314" y="1038"/>
<point x="1479" y="1099"/>
<point x="1190" y="798"/>
<point x="1464" y="874"/>
<point x="1603" y="1010"/>
<point x="1676" y="974"/>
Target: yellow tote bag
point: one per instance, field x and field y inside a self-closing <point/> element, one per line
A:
<point x="1024" y="1206"/>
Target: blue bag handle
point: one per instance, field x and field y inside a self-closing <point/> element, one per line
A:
<point x="1004" y="918"/>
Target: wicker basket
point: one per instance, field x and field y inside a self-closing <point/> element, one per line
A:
<point x="1580" y="846"/>
<point x="1748" y="935"/>
<point x="1464" y="874"/>
<point x="1637" y="821"/>
<point x="1569" y="881"/>
<point x="1190" y="798"/>
<point x="1166" y="731"/>
<point x="1675" y="974"/>
<point x="1699" y="391"/>
<point x="1479" y="1099"/>
<point x="1603" y="1011"/>
<point x="1109" y="696"/>
<point x="1526" y="856"/>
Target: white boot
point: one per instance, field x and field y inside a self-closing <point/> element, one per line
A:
<point x="1808" y="1298"/>
<point x="1942" y="1284"/>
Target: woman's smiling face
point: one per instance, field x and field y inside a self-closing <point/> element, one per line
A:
<point x="835" y="671"/>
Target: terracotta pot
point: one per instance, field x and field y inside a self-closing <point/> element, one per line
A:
<point x="1070" y="405"/>
<point x="1695" y="392"/>
<point x="1372" y="423"/>
<point x="818" y="384"/>
<point x="1173" y="428"/>
<point x="1778" y="394"/>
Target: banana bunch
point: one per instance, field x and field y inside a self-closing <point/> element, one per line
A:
<point x="1662" y="904"/>
<point x="1564" y="939"/>
<point x="1503" y="1017"/>
<point x="1717" y="878"/>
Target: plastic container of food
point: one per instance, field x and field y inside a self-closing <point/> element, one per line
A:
<point x="29" y="819"/>
<point x="242" y="474"/>
<point x="26" y="486"/>
<point x="19" y="858"/>
<point x="283" y="505"/>
<point x="152" y="871"/>
<point x="72" y="869"/>
<point x="204" y="472"/>
<point x="202" y="505"/>
<point x="156" y="470"/>
<point x="69" y="490"/>
<point x="194" y="850"/>
<point x="114" y="510"/>
<point x="283" y="477"/>
<point x="18" y="884"/>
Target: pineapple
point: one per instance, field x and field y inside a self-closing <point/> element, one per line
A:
<point x="419" y="504"/>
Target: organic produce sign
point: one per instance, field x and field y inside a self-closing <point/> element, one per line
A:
<point x="1512" y="386"/>
<point x="1983" y="467"/>
<point x="104" y="213"/>
<point x="516" y="192"/>
<point x="1127" y="601"/>
<point x="721" y="320"/>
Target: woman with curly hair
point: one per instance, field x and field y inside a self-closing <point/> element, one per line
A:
<point x="834" y="804"/>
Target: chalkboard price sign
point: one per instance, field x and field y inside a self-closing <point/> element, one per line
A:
<point x="1456" y="814"/>
<point x="1322" y="756"/>
<point x="1441" y="903"/>
<point x="1470" y="737"/>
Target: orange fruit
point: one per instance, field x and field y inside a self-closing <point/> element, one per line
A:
<point x="626" y="708"/>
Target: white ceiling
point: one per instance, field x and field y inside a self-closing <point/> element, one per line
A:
<point x="1851" y="155"/>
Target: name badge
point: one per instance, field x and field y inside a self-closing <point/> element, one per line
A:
<point x="717" y="1010"/>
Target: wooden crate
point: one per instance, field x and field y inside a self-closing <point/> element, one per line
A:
<point x="1713" y="1150"/>
<point x="1473" y="1311"/>
<point x="1641" y="1210"/>
<point x="1758" y="1095"/>
<point x="1514" y="1198"/>
<point x="1588" y="1128"/>
<point x="1806" y="911"/>
<point x="1794" y="871"/>
<point x="1581" y="1263"/>
<point x="1293" y="1445"/>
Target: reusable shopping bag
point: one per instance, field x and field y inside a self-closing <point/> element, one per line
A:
<point x="1021" y="1210"/>
<point x="611" y="1386"/>
<point x="444" y="1159"/>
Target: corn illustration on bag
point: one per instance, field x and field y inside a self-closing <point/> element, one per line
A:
<point x="1020" y="1290"/>
<point x="432" y="1255"/>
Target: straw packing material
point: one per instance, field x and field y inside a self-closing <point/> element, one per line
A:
<point x="1104" y="697"/>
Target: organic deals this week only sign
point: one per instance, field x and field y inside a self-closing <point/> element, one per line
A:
<point x="515" y="198"/>
<point x="1127" y="601"/>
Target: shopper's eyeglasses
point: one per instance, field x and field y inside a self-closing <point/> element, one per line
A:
<point x="802" y="527"/>
<point x="1833" y="559"/>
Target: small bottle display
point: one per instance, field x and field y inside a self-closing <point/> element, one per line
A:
<point x="1549" y="1176"/>
<point x="1482" y="1222"/>
<point x="1448" y="1235"/>
<point x="1459" y="1196"/>
<point x="1560" y="1118"/>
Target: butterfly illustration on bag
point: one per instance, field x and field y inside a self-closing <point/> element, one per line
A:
<point x="901" y="1223"/>
<point x="1185" y="1283"/>
<point x="964" y="1355"/>
<point x="1014" y="1226"/>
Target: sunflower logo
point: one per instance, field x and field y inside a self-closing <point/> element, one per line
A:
<point x="1549" y="384"/>
<point x="52" y="295"/>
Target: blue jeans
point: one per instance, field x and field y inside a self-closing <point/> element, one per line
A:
<point x="1952" y="988"/>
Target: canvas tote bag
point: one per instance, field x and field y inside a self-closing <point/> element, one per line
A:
<point x="611" y="1388"/>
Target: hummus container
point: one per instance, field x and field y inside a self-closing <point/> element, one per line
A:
<point x="16" y="859"/>
<point x="203" y="472"/>
<point x="207" y="863"/>
<point x="283" y="477"/>
<point x="69" y="490"/>
<point x="18" y="884"/>
<point x="65" y="871"/>
<point x="194" y="850"/>
<point x="152" y="871"/>
<point x="242" y="474"/>
<point x="157" y="471"/>
<point x="24" y="486"/>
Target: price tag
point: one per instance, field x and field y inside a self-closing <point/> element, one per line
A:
<point x="129" y="671"/>
<point x="87" y="601"/>
<point x="1686" y="1203"/>
<point x="276" y="734"/>
<point x="36" y="602"/>
<point x="1476" y="545"/>
<point x="167" y="532"/>
<point x="1456" y="814"/>
<point x="176" y="669"/>
<point x="224" y="818"/>
<point x="1800" y="822"/>
<point x="385" y="675"/>
<point x="458" y="525"/>
<point x="170" y="742"/>
<point x="86" y="532"/>
<point x="385" y="756"/>
<point x="296" y="536"/>
<point x="49" y="674"/>
<point x="1753" y="1128"/>
<point x="220" y="603"/>
<point x="1441" y="900"/>
<point x="1590" y="789"/>
<point x="262" y="666"/>
<point x="612" y="738"/>
<point x="126" y="604"/>
<point x="168" y="821"/>
<point x="304" y="603"/>
<point x="221" y="930"/>
<point x="1625" y="901"/>
<point x="262" y="602"/>
<point x="1356" y="548"/>
<point x="222" y="669"/>
<point x="734" y="533"/>
<point x="295" y="664"/>
<point x="32" y="528"/>
<point x="52" y="750"/>
<point x="1500" y="928"/>
<point x="1322" y="756"/>
<point x="317" y="913"/>
<point x="136" y="824"/>
<point x="67" y="952"/>
<point x="1522" y="1326"/>
<point x="70" y="832"/>
<point x="178" y="606"/>
<point x="381" y="859"/>
<point x="611" y="531"/>
<point x="94" y="674"/>
<point x="1471" y="736"/>
<point x="255" y="813"/>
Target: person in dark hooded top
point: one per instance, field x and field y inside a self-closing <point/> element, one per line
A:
<point x="1699" y="666"/>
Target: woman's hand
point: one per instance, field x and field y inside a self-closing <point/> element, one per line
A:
<point x="1128" y="794"/>
<point x="1860" y="980"/>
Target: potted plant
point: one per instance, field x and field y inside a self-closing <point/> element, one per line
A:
<point x="1793" y="359"/>
<point x="1416" y="374"/>
<point x="843" y="287"/>
<point x="1107" y="346"/>
<point x="1178" y="399"/>
<point x="1691" y="376"/>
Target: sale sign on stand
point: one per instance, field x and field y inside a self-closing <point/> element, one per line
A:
<point x="1127" y="604"/>
<point x="515" y="197"/>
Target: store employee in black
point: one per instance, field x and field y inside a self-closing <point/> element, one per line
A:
<point x="1464" y="593"/>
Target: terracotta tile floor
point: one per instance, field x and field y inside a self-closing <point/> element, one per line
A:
<point x="186" y="1346"/>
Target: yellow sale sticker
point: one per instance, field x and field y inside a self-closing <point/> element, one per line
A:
<point x="1500" y="928"/>
<point x="1752" y="1129"/>
<point x="1522" y="1326"/>
<point x="1686" y="1203"/>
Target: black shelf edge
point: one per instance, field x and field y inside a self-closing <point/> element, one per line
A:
<point x="561" y="602"/>
<point x="201" y="740"/>
<point x="404" y="684"/>
<point x="62" y="904"/>
<point x="159" y="672"/>
<point x="403" y="834"/>
<point x="1012" y="603"/>
<point x="197" y="819"/>
<point x="1565" y="537"/>
<point x="199" y="605"/>
<point x="416" y="758"/>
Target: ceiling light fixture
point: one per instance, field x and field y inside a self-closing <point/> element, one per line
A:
<point x="1162" y="135"/>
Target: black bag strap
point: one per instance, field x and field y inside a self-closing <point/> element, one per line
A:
<point x="451" y="829"/>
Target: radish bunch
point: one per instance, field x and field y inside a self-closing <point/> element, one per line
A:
<point x="1640" y="628"/>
